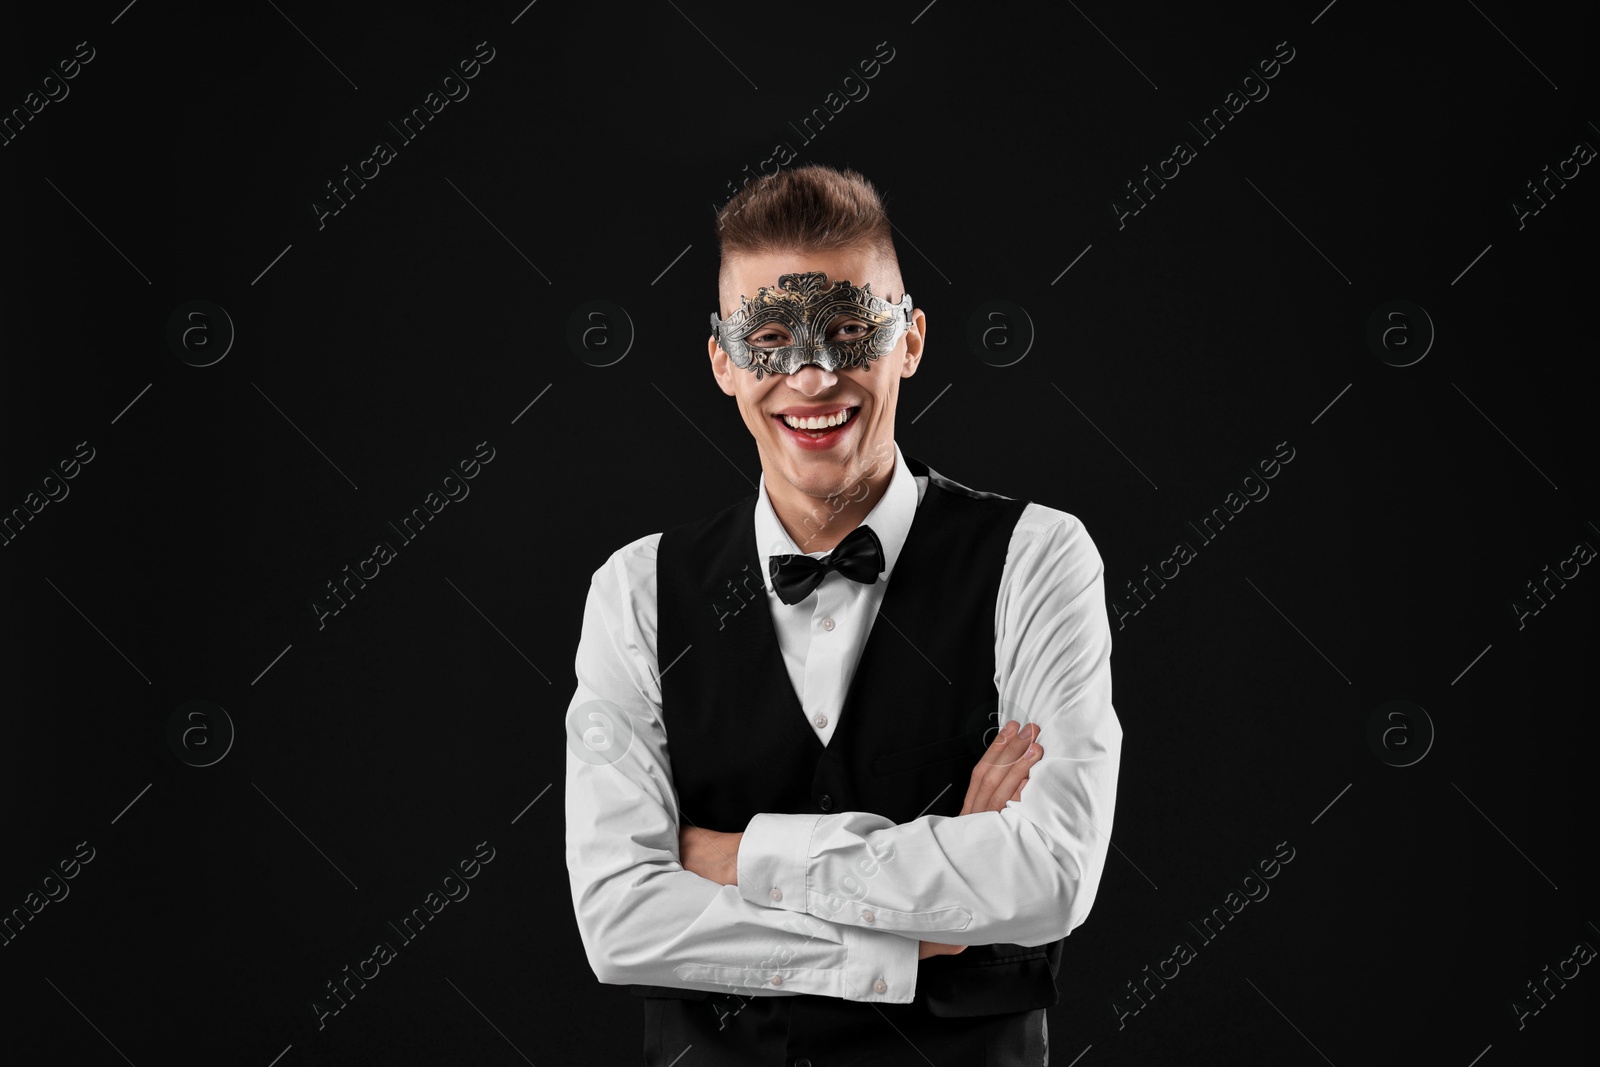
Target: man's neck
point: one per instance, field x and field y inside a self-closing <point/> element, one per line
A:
<point x="818" y="524"/>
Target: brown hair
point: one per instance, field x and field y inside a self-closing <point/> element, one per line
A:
<point x="812" y="208"/>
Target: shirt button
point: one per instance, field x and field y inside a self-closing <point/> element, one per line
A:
<point x="776" y="894"/>
<point x="880" y="986"/>
<point x="825" y="802"/>
<point x="828" y="624"/>
<point x="821" y="721"/>
<point x="776" y="979"/>
<point x="868" y="917"/>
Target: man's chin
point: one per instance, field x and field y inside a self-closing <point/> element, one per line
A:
<point x="823" y="473"/>
<point x="827" y="478"/>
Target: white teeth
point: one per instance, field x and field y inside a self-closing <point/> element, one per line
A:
<point x="817" y="422"/>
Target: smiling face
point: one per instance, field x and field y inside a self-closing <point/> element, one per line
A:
<point x="851" y="408"/>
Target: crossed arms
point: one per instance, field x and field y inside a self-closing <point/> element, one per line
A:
<point x="856" y="895"/>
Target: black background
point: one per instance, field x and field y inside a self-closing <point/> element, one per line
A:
<point x="427" y="715"/>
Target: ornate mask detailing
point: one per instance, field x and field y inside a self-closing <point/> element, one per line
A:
<point x="807" y="308"/>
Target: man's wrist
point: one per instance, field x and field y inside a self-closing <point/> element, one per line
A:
<point x="774" y="852"/>
<point x="737" y="841"/>
<point x="880" y="966"/>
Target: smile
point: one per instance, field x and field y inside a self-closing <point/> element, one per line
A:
<point x="819" y="422"/>
<point x="817" y="430"/>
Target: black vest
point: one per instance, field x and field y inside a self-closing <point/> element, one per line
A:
<point x="913" y="721"/>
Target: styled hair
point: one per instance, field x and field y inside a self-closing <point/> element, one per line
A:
<point x="813" y="208"/>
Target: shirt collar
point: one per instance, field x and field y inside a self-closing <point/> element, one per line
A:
<point x="890" y="518"/>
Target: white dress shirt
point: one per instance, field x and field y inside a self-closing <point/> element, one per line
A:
<point x="836" y="904"/>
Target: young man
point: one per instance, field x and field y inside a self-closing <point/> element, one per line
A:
<point x="779" y="706"/>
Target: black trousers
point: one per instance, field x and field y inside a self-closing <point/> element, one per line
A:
<point x="727" y="1030"/>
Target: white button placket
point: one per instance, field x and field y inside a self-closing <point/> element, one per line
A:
<point x="825" y="656"/>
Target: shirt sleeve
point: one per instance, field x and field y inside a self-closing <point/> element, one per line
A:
<point x="1025" y="875"/>
<point x="642" y="918"/>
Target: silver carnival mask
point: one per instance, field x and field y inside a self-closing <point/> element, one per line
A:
<point x="805" y="305"/>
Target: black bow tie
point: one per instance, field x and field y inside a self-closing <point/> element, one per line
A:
<point x="858" y="557"/>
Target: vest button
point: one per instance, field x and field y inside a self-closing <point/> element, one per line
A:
<point x="802" y="1062"/>
<point x="821" y="721"/>
<point x="880" y="986"/>
<point x="825" y="802"/>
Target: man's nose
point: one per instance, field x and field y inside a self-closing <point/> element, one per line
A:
<point x="812" y="379"/>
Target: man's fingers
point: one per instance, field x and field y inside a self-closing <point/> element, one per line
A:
<point x="1000" y="772"/>
<point x="1015" y="773"/>
<point x="1004" y="754"/>
<point x="992" y="755"/>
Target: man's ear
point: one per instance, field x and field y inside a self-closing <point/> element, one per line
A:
<point x="916" y="338"/>
<point x="722" y="367"/>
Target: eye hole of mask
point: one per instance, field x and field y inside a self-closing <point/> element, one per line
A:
<point x="843" y="329"/>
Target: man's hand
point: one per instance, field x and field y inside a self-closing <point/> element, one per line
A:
<point x="998" y="778"/>
<point x="933" y="948"/>
<point x="710" y="854"/>
<point x="1003" y="770"/>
